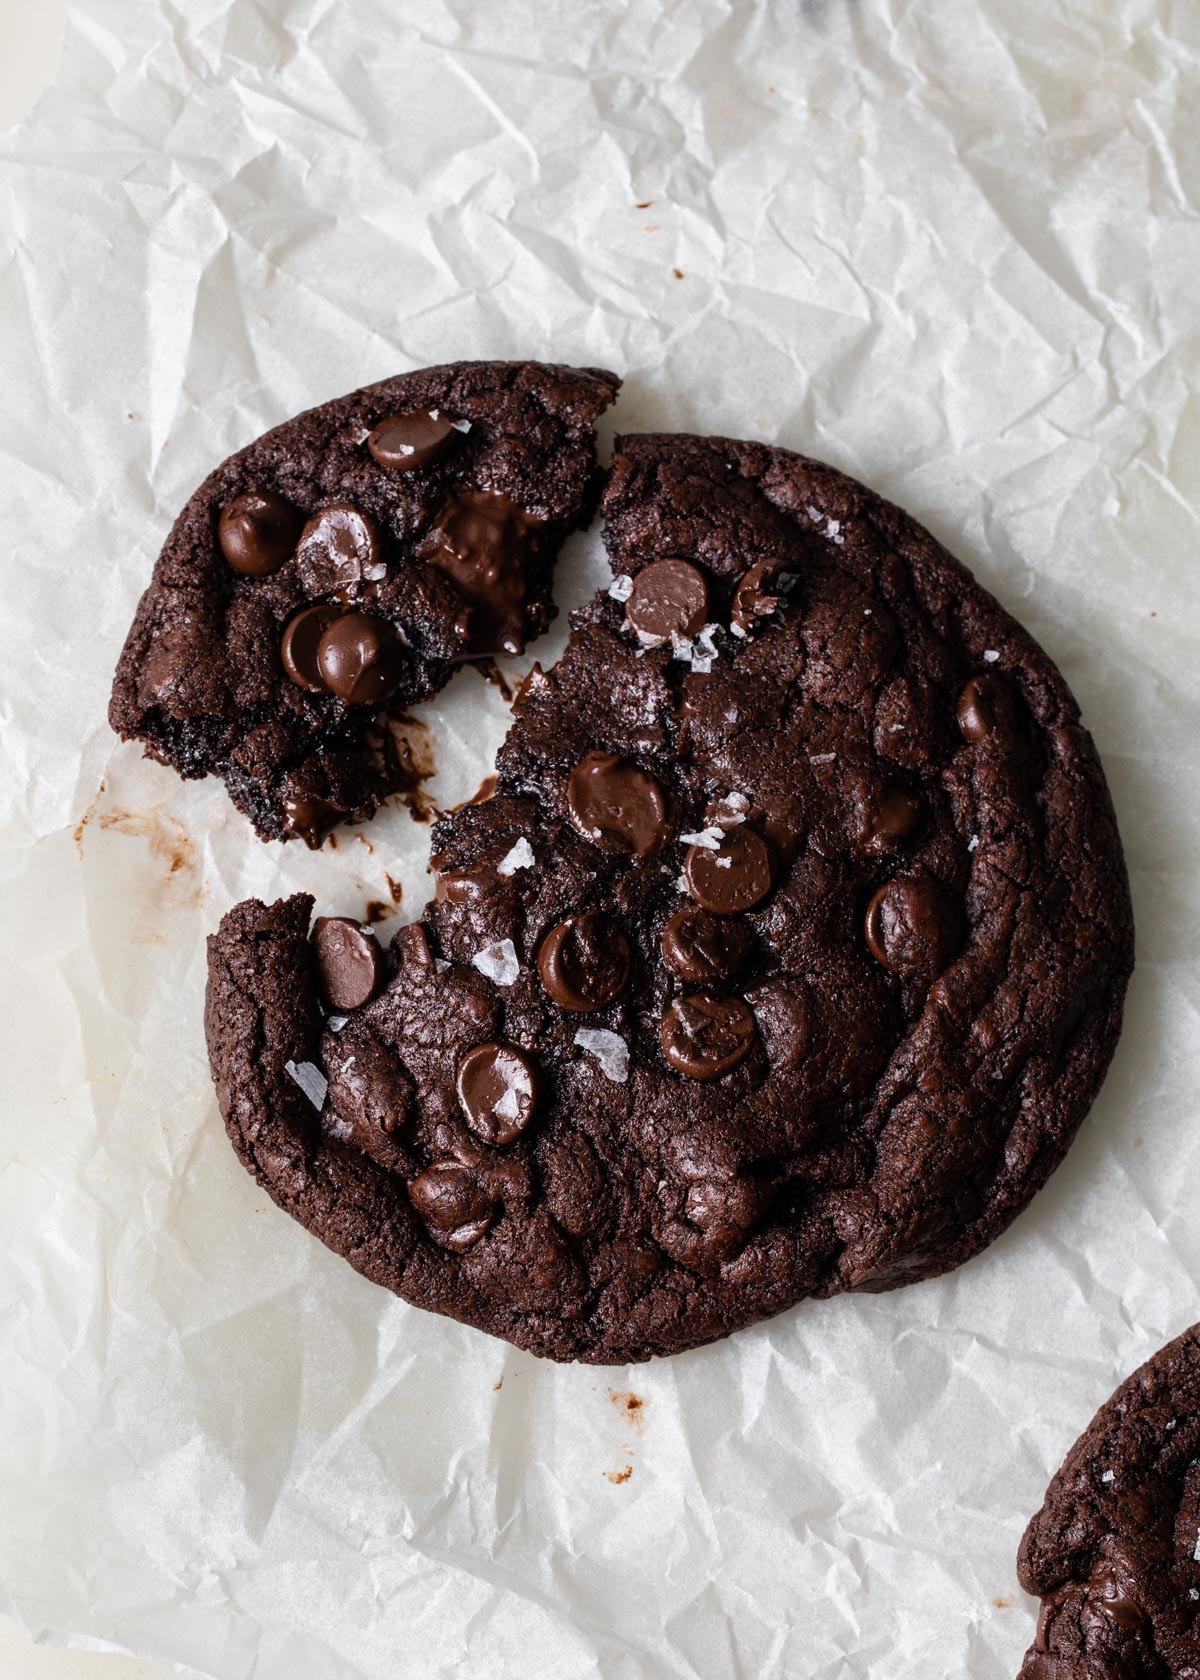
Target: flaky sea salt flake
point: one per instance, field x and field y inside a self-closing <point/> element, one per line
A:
<point x="521" y="857"/>
<point x="709" y="838"/>
<point x="609" y="1049"/>
<point x="621" y="588"/>
<point x="498" y="963"/>
<point x="310" y="1080"/>
<point x="990" y="656"/>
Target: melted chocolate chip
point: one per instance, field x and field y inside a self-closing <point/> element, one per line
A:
<point x="350" y="965"/>
<point x="419" y="438"/>
<point x="889" y="819"/>
<point x="753" y="598"/>
<point x="914" y="928"/>
<point x="669" y="600"/>
<point x="735" y="876"/>
<point x="258" y="532"/>
<point x="1105" y="1591"/>
<point x="310" y="819"/>
<point x="985" y="704"/>
<point x="301" y="639"/>
<point x="497" y="1091"/>
<point x="360" y="659"/>
<point x="464" y="886"/>
<point x="452" y="1201"/>
<point x="699" y="946"/>
<point x="612" y="801"/>
<point x="339" y="549"/>
<point x="484" y="541"/>
<point x="585" y="962"/>
<point x="704" y="1036"/>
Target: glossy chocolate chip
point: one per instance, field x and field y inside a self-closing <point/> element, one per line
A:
<point x="351" y="967"/>
<point x="339" y="549"/>
<point x="1106" y="1592"/>
<point x="734" y="876"/>
<point x="914" y="928"/>
<point x="613" y="803"/>
<point x="669" y="600"/>
<point x="310" y="819"/>
<point x="890" y="818"/>
<point x="464" y="886"/>
<point x="497" y="1090"/>
<point x="484" y="541"/>
<point x="699" y="946"/>
<point x="301" y="639"/>
<point x="754" y="598"/>
<point x="704" y="1036"/>
<point x="419" y="438"/>
<point x="258" y="532"/>
<point x="985" y="704"/>
<point x="585" y="962"/>
<point x="452" y="1202"/>
<point x="360" y="659"/>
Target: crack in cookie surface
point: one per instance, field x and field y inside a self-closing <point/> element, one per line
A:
<point x="799" y="901"/>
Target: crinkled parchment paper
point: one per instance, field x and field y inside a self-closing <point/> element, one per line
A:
<point x="952" y="249"/>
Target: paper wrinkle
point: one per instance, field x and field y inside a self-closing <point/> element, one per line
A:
<point x="959" y="263"/>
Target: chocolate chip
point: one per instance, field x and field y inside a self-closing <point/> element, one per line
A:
<point x="585" y="962"/>
<point x="699" y="946"/>
<point x="890" y="818"/>
<point x="464" y="886"/>
<point x="484" y="541"/>
<point x="669" y="600"/>
<point x="310" y="819"/>
<point x="339" y="547"/>
<point x="497" y="1090"/>
<point x="705" y="1036"/>
<point x="360" y="659"/>
<point x="985" y="704"/>
<point x="451" y="1200"/>
<point x="753" y="599"/>
<point x="350" y="965"/>
<point x="416" y="439"/>
<point x="734" y="876"/>
<point x="914" y="928"/>
<point x="258" y="531"/>
<point x="611" y="800"/>
<point x="1105" y="1591"/>
<point x="298" y="649"/>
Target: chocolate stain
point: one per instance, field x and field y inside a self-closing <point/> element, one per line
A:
<point x="1001" y="1603"/>
<point x="644" y="205"/>
<point x="175" y="882"/>
<point x="619" y="1476"/>
<point x="497" y="1386"/>
<point x="409" y="747"/>
<point x="492" y="673"/>
<point x="376" y="911"/>
<point x="396" y="890"/>
<point x="482" y="794"/>
<point x="633" y="1405"/>
<point x="678" y="273"/>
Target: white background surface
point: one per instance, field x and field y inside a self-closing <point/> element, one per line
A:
<point x="953" y="252"/>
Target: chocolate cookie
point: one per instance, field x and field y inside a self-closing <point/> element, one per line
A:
<point x="1113" y="1552"/>
<point x="786" y="958"/>
<point x="338" y="569"/>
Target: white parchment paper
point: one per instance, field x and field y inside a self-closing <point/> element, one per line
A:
<point x="953" y="249"/>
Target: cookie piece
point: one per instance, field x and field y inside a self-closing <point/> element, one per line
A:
<point x="336" y="571"/>
<point x="1113" y="1552"/>
<point x="809" y="922"/>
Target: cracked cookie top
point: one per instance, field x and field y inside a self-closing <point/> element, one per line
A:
<point x="786" y="958"/>
<point x="1114" y="1552"/>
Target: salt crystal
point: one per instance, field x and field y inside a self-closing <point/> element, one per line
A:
<point x="681" y="883"/>
<point x="972" y="842"/>
<point x="335" y="1023"/>
<point x="498" y="962"/>
<point x="521" y="857"/>
<point x="461" y="425"/>
<point x="814" y="514"/>
<point x="621" y="588"/>
<point x="310" y="1080"/>
<point x="736" y="630"/>
<point x="361" y="435"/>
<point x="375" y="572"/>
<point x="821" y="758"/>
<point x="702" y="664"/>
<point x="682" y="649"/>
<point x="709" y="838"/>
<point x="1109" y="1476"/>
<point x="440" y="965"/>
<point x="990" y="656"/>
<point x="723" y="863"/>
<point x="1196" y="1548"/>
<point x="609" y="1049"/>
